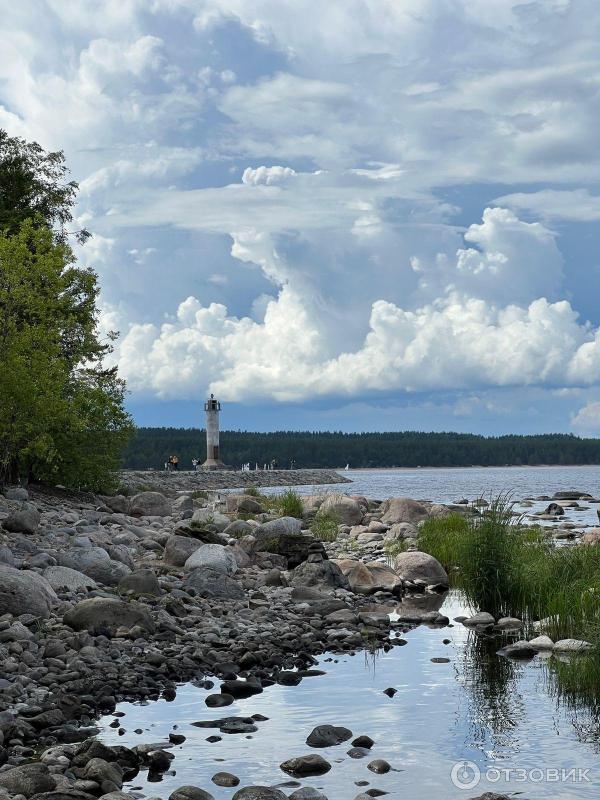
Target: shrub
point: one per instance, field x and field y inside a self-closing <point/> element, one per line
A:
<point x="325" y="527"/>
<point x="290" y="504"/>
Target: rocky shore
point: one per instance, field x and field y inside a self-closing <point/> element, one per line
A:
<point x="162" y="481"/>
<point x="110" y="598"/>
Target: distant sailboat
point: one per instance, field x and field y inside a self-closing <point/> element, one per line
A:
<point x="347" y="467"/>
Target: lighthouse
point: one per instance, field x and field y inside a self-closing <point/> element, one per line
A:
<point x="213" y="456"/>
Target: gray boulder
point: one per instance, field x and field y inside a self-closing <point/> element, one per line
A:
<point x="204" y="516"/>
<point x="403" y="509"/>
<point x="238" y="528"/>
<point x="70" y="579"/>
<point x="258" y="793"/>
<point x="140" y="582"/>
<point x="345" y="510"/>
<point x="16" y="493"/>
<point x="215" y="556"/>
<point x="150" y="504"/>
<point x="369" y="578"/>
<point x="243" y="503"/>
<point x="27" y="780"/>
<point x="117" y="503"/>
<point x="320" y="573"/>
<point x="208" y="582"/>
<point x="179" y="548"/>
<point x="182" y="504"/>
<point x="25" y="520"/>
<point x="25" y="592"/>
<point x="108" y="572"/>
<point x="420" y="568"/>
<point x="278" y="527"/>
<point x="190" y="793"/>
<point x="100" y="613"/>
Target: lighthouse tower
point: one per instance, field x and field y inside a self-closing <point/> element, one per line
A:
<point x="213" y="456"/>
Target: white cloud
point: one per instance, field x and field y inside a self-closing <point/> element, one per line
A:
<point x="587" y="419"/>
<point x="575" y="205"/>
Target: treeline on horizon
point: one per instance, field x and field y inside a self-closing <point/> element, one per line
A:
<point x="151" y="447"/>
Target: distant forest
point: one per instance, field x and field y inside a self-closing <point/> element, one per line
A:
<point x="150" y="448"/>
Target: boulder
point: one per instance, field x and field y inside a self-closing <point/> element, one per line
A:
<point x="101" y="613"/>
<point x="278" y="527"/>
<point x="24" y="520"/>
<point x="572" y="646"/>
<point x="293" y="547"/>
<point x="108" y="572"/>
<point x="182" y="504"/>
<point x="25" y="592"/>
<point x="204" y="516"/>
<point x="246" y="504"/>
<point x="16" y="493"/>
<point x="150" y="504"/>
<point x="258" y="793"/>
<point x="420" y="567"/>
<point x="66" y="578"/>
<point x="179" y="548"/>
<point x="117" y="503"/>
<point x="402" y="530"/>
<point x="238" y="528"/>
<point x="318" y="572"/>
<point x="345" y="510"/>
<point x="591" y="537"/>
<point x="328" y="736"/>
<point x="215" y="556"/>
<point x="306" y="765"/>
<point x="27" y="779"/>
<point x="403" y="509"/>
<point x="369" y="578"/>
<point x="190" y="793"/>
<point x="140" y="582"/>
<point x="481" y="618"/>
<point x="208" y="582"/>
<point x="542" y="643"/>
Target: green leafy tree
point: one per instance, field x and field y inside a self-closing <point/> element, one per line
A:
<point x="61" y="411"/>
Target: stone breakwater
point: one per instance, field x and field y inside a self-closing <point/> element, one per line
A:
<point x="104" y="599"/>
<point x="168" y="482"/>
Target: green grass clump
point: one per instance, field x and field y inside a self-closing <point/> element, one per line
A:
<point x="290" y="504"/>
<point x="393" y="548"/>
<point x="325" y="527"/>
<point x="252" y="491"/>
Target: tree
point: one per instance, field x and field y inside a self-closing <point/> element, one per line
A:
<point x="61" y="411"/>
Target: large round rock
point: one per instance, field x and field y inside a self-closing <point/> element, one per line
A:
<point x="420" y="567"/>
<point x="190" y="793"/>
<point x="179" y="548"/>
<point x="150" y="504"/>
<point x="403" y="509"/>
<point x="208" y="582"/>
<point x="215" y="556"/>
<point x="25" y="520"/>
<point x="68" y="579"/>
<point x="25" y="592"/>
<point x="27" y="780"/>
<point x="102" y="613"/>
<point x="344" y="510"/>
<point x="259" y="793"/>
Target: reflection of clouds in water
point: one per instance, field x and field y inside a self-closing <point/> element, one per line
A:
<point x="441" y="714"/>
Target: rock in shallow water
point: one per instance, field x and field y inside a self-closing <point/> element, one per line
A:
<point x="328" y="736"/>
<point x="257" y="793"/>
<point x="305" y="765"/>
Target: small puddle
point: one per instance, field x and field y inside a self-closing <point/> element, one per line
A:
<point x="478" y="707"/>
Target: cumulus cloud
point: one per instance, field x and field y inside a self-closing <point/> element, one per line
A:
<point x="587" y="419"/>
<point x="320" y="159"/>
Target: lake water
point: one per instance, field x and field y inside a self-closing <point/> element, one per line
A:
<point x="449" y="485"/>
<point x="497" y="715"/>
<point x="500" y="725"/>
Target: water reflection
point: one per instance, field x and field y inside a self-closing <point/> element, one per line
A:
<point x="478" y="707"/>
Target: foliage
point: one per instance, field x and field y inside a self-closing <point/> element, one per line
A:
<point x="393" y="548"/>
<point x="290" y="504"/>
<point x="325" y="526"/>
<point x="148" y="447"/>
<point x="510" y="569"/>
<point x="61" y="412"/>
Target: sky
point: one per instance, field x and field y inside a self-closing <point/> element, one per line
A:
<point x="351" y="215"/>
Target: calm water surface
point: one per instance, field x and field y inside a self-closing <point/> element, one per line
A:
<point x="450" y="485"/>
<point x="479" y="707"/>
